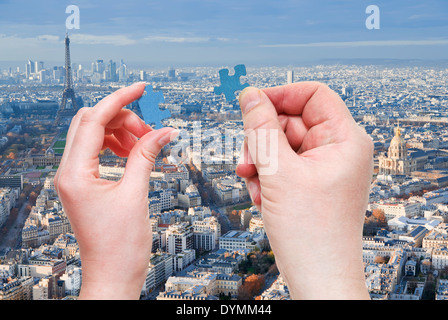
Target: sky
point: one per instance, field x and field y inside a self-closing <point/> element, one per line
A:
<point x="223" y="32"/>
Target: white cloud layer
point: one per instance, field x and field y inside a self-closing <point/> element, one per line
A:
<point x="379" y="43"/>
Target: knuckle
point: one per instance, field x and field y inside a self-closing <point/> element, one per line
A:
<point x="63" y="184"/>
<point x="260" y="123"/>
<point x="148" y="155"/>
<point x="86" y="116"/>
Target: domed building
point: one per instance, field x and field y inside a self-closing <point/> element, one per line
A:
<point x="397" y="161"/>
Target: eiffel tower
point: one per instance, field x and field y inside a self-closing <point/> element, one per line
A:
<point x="65" y="114"/>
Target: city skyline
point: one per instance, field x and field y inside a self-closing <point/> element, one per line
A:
<point x="204" y="207"/>
<point x="212" y="33"/>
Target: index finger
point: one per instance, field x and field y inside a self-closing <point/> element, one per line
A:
<point x="313" y="101"/>
<point x="89" y="135"/>
<point x="110" y="106"/>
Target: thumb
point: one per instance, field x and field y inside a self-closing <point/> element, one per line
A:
<point x="266" y="140"/>
<point x="143" y="155"/>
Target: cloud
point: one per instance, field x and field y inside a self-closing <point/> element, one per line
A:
<point x="184" y="39"/>
<point x="115" y="40"/>
<point x="48" y="37"/>
<point x="379" y="43"/>
<point x="14" y="41"/>
<point x="176" y="39"/>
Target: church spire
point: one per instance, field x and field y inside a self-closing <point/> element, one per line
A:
<point x="398" y="131"/>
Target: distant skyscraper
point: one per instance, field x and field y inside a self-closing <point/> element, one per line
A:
<point x="142" y="75"/>
<point x="30" y="68"/>
<point x="290" y="76"/>
<point x="172" y="73"/>
<point x="122" y="71"/>
<point x="112" y="71"/>
<point x="65" y="113"/>
<point x="98" y="66"/>
<point x="38" y="66"/>
<point x="27" y="70"/>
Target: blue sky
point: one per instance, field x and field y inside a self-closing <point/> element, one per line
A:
<point x="213" y="32"/>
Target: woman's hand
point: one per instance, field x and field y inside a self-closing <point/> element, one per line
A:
<point x="314" y="196"/>
<point x="110" y="219"/>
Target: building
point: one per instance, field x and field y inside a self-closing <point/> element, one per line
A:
<point x="206" y="233"/>
<point x="382" y="279"/>
<point x="436" y="238"/>
<point x="397" y="162"/>
<point x="159" y="270"/>
<point x="442" y="289"/>
<point x="198" y="285"/>
<point x="49" y="159"/>
<point x="179" y="237"/>
<point x="230" y="189"/>
<point x="72" y="278"/>
<point x="277" y="291"/>
<point x="8" y="197"/>
<point x="236" y="240"/>
<point x="16" y="288"/>
<point x="183" y="259"/>
<point x="394" y="209"/>
<point x="190" y="198"/>
<point x="440" y="258"/>
<point x="289" y="76"/>
<point x="11" y="181"/>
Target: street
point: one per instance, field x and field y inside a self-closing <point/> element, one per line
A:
<point x="12" y="237"/>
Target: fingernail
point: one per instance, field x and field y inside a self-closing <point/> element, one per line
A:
<point x="249" y="98"/>
<point x="174" y="134"/>
<point x="168" y="137"/>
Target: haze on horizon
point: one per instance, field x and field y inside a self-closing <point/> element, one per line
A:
<point x="205" y="32"/>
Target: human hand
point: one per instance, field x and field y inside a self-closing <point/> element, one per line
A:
<point x="110" y="219"/>
<point x="313" y="205"/>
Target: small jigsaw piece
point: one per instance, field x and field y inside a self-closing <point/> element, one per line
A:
<point x="149" y="106"/>
<point x="230" y="84"/>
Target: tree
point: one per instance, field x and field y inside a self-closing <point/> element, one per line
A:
<point x="380" y="260"/>
<point x="11" y="155"/>
<point x="380" y="216"/>
<point x="252" y="287"/>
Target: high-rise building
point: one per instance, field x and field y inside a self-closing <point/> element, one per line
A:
<point x="171" y="73"/>
<point x="38" y="66"/>
<point x="142" y="75"/>
<point x="98" y="67"/>
<point x="111" y="74"/>
<point x="30" y="68"/>
<point x="179" y="237"/>
<point x="289" y="76"/>
<point x="122" y="72"/>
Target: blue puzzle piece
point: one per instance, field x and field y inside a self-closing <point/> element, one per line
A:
<point x="230" y="84"/>
<point x="149" y="106"/>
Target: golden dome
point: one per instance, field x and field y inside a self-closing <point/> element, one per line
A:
<point x="397" y="147"/>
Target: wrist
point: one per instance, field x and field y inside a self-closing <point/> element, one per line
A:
<point x="318" y="283"/>
<point x="109" y="281"/>
<point x="109" y="291"/>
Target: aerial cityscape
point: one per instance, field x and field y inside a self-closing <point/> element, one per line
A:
<point x="208" y="238"/>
